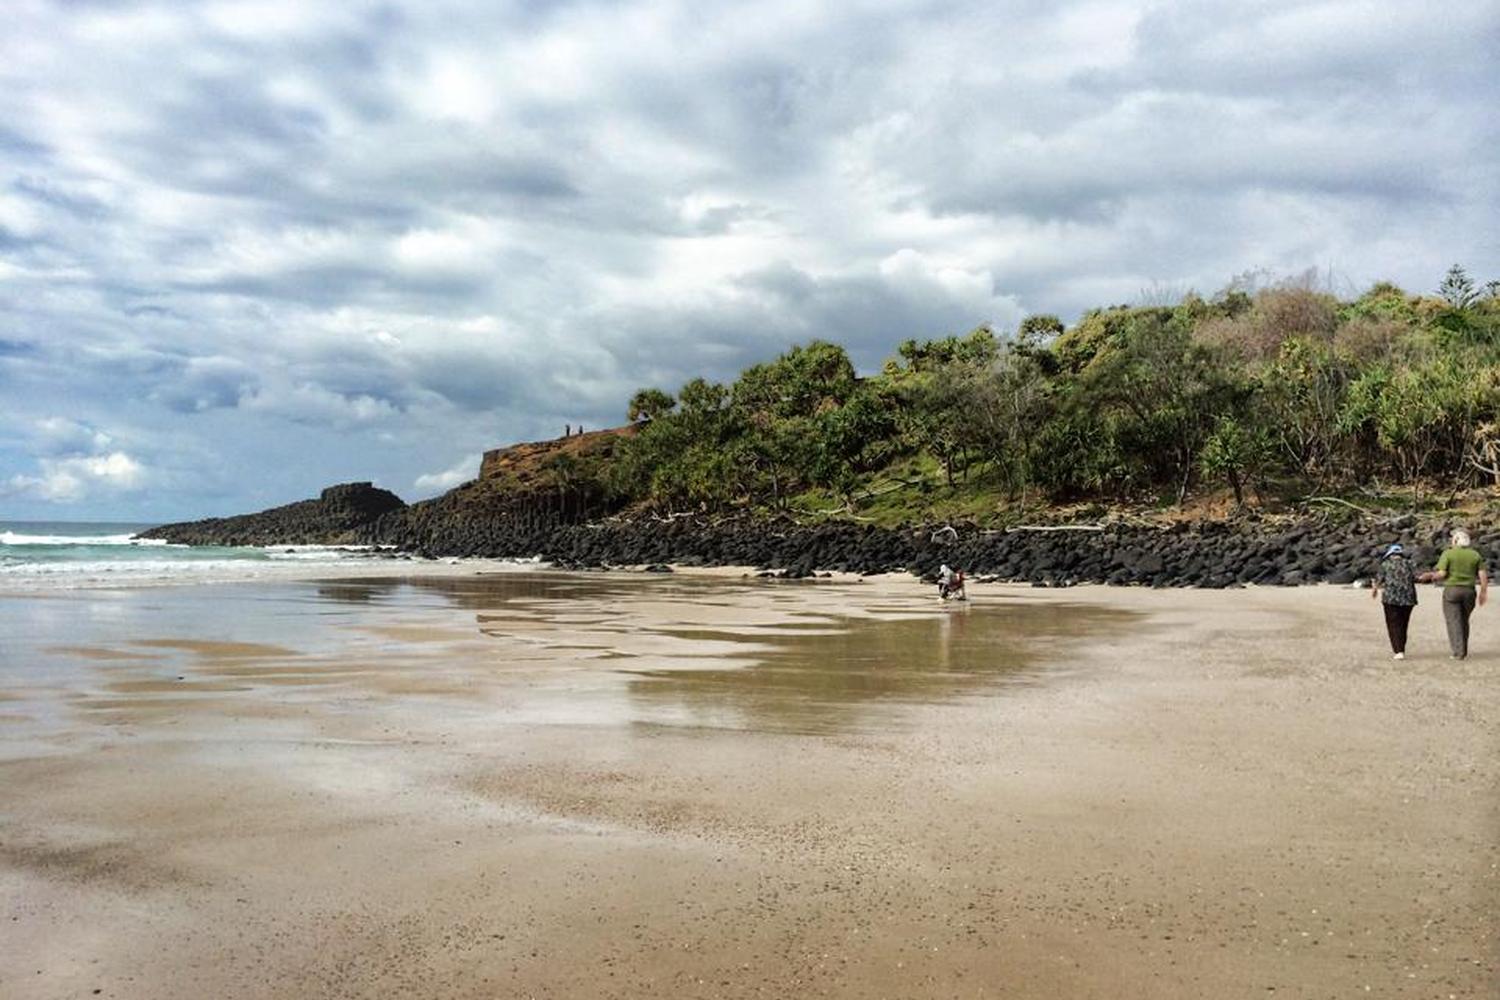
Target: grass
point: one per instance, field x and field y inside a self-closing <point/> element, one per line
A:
<point x="915" y="490"/>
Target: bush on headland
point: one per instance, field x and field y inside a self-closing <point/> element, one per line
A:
<point x="1269" y="393"/>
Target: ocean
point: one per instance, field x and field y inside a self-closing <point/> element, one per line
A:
<point x="90" y="553"/>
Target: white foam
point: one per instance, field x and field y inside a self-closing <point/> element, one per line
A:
<point x="313" y="553"/>
<point x="16" y="538"/>
<point x="330" y="564"/>
<point x="147" y="572"/>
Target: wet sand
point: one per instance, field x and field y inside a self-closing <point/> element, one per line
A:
<point x="611" y="786"/>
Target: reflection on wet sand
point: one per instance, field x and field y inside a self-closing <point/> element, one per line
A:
<point x="696" y="652"/>
<point x="779" y="665"/>
<point x="859" y="675"/>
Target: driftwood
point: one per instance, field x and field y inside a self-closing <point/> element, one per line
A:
<point x="1352" y="506"/>
<point x="900" y="484"/>
<point x="1055" y="527"/>
<point x="845" y="510"/>
<point x="669" y="517"/>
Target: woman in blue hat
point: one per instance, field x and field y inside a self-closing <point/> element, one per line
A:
<point x="1396" y="586"/>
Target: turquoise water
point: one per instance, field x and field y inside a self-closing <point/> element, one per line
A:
<point x="66" y="553"/>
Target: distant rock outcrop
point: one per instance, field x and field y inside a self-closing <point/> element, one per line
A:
<point x="338" y="516"/>
<point x="523" y="494"/>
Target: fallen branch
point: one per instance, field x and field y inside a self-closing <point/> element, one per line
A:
<point x="666" y="518"/>
<point x="1352" y="506"/>
<point x="845" y="511"/>
<point x="1054" y="527"/>
<point x="900" y="484"/>
<point x="891" y="488"/>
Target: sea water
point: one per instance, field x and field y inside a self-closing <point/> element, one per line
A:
<point x="84" y="553"/>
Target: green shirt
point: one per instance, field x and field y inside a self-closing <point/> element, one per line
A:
<point x="1462" y="566"/>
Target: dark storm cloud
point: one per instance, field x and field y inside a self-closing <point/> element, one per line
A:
<point x="757" y="314"/>
<point x="42" y="190"/>
<point x="1315" y="53"/>
<point x="206" y="384"/>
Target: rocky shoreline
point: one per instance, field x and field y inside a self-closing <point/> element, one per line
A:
<point x="1214" y="554"/>
<point x="1208" y="554"/>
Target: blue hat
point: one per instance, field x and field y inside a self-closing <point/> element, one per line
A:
<point x="1394" y="550"/>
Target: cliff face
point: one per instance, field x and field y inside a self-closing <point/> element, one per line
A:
<point x="529" y="464"/>
<point x="336" y="517"/>
<point x="523" y="493"/>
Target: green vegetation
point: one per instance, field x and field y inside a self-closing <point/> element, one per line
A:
<point x="1262" y="395"/>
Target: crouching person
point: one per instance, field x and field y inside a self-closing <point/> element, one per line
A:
<point x="950" y="583"/>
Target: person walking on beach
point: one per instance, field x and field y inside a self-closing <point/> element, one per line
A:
<point x="1461" y="570"/>
<point x="1396" y="586"/>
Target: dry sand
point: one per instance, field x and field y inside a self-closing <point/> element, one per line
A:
<point x="694" y="788"/>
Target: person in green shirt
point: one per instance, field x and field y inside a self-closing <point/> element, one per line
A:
<point x="1461" y="570"/>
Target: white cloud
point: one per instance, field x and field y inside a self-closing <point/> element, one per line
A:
<point x="311" y="403"/>
<point x="67" y="480"/>
<point x="430" y="483"/>
<point x="74" y="460"/>
<point x="64" y="436"/>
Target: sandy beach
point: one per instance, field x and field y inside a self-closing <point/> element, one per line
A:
<point x="619" y="785"/>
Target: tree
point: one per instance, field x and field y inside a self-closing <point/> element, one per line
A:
<point x="1458" y="289"/>
<point x="935" y="411"/>
<point x="1423" y="416"/>
<point x="683" y="456"/>
<point x="649" y="404"/>
<point x="1011" y="404"/>
<point x="799" y="383"/>
<point x="1039" y="329"/>
<point x="934" y="384"/>
<point x="915" y="357"/>
<point x="851" y="439"/>
<point x="1302" y="393"/>
<point x="779" y="404"/>
<point x="1150" y="370"/>
<point x="1234" y="451"/>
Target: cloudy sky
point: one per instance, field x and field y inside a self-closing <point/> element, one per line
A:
<point x="248" y="249"/>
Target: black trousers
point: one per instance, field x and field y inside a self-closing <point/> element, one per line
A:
<point x="1397" y="617"/>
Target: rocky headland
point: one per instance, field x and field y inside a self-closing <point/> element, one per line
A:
<point x="338" y="516"/>
<point x="540" y="500"/>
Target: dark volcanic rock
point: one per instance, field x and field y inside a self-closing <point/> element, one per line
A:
<point x="335" y="518"/>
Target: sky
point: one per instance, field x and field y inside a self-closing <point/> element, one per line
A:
<point x="250" y="249"/>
